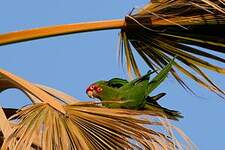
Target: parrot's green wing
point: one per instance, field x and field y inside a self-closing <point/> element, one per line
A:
<point x="159" y="78"/>
<point x="116" y="82"/>
<point x="144" y="78"/>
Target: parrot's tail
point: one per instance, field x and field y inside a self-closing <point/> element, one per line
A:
<point x="163" y="112"/>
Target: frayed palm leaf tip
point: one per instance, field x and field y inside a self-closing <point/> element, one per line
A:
<point x="87" y="126"/>
<point x="188" y="29"/>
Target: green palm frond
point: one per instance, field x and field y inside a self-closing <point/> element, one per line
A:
<point x="182" y="28"/>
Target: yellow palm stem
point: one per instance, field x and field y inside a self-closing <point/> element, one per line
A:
<point x="43" y="32"/>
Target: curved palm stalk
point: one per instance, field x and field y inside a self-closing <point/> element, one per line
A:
<point x="60" y="96"/>
<point x="33" y="90"/>
<point x="44" y="32"/>
<point x="182" y="28"/>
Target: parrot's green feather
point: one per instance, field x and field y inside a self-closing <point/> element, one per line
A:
<point x="137" y="81"/>
<point x="155" y="82"/>
<point x="117" y="82"/>
<point x="135" y="94"/>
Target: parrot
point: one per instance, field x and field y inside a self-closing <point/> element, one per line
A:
<point x="133" y="94"/>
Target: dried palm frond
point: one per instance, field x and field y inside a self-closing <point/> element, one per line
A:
<point x="82" y="125"/>
<point x="88" y="127"/>
<point x="182" y="28"/>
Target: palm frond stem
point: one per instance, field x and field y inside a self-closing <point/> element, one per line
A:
<point x="44" y="32"/>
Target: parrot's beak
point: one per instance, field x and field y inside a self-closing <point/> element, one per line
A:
<point x="90" y="94"/>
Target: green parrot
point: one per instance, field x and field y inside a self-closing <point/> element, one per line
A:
<point x="133" y="94"/>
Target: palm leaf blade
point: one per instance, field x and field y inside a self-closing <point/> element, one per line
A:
<point x="88" y="127"/>
<point x="164" y="29"/>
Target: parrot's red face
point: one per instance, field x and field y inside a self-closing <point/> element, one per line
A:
<point x="93" y="91"/>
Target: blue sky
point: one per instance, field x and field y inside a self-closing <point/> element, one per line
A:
<point x="70" y="63"/>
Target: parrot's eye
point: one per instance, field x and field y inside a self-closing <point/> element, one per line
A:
<point x="92" y="87"/>
<point x="99" y="89"/>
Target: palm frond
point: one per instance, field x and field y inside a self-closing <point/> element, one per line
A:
<point x="87" y="126"/>
<point x="186" y="29"/>
<point x="83" y="125"/>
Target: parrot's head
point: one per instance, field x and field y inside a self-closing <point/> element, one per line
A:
<point x="95" y="90"/>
